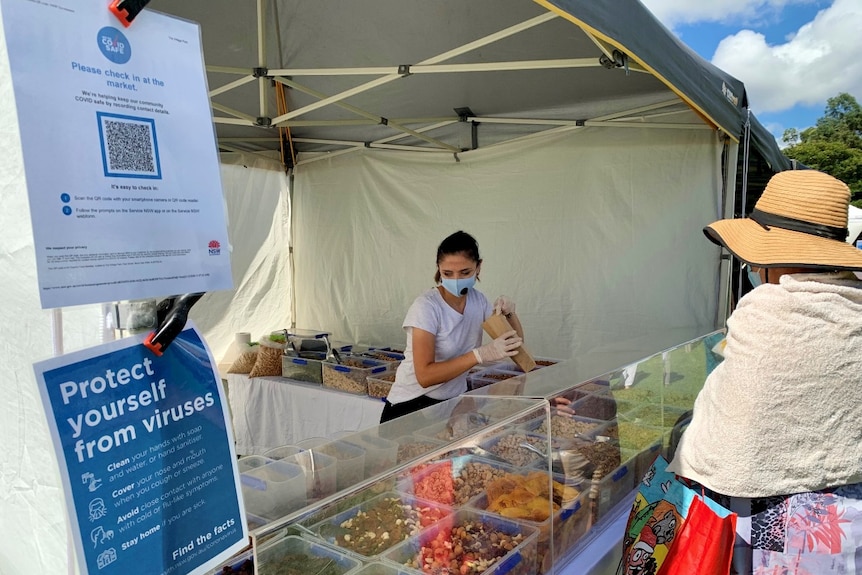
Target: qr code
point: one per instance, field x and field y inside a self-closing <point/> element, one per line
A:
<point x="129" y="146"/>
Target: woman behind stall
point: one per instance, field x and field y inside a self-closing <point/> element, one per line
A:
<point x="776" y="433"/>
<point x="444" y="332"/>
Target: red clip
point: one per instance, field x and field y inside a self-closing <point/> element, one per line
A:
<point x="126" y="10"/>
<point x="156" y="348"/>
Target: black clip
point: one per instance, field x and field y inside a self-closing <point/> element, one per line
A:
<point x="171" y="316"/>
<point x="126" y="10"/>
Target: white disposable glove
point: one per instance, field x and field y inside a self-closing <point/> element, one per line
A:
<point x="504" y="346"/>
<point x="503" y="305"/>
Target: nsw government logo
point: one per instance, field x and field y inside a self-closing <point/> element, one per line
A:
<point x="114" y="46"/>
<point x="214" y="247"/>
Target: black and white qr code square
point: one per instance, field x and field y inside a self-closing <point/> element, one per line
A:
<point x="129" y="146"/>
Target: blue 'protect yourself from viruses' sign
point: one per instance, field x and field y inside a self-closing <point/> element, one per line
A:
<point x="147" y="458"/>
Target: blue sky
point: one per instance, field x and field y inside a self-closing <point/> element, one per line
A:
<point x="792" y="55"/>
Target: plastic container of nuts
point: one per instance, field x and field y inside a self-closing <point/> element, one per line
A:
<point x="306" y="367"/>
<point x="351" y="374"/>
<point x="480" y="543"/>
<point x="566" y="522"/>
<point x="411" y="447"/>
<point x="372" y="527"/>
<point x="380" y="453"/>
<point x="508" y="446"/>
<point x="273" y="489"/>
<point x="298" y="555"/>
<point x="380" y="384"/>
<point x="454" y="481"/>
<point x="564" y="426"/>
<point x="380" y="568"/>
<point x="349" y="459"/>
<point x="382" y="355"/>
<point x="540" y="362"/>
<point x="614" y="487"/>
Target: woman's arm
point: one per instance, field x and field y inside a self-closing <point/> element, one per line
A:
<point x="430" y="372"/>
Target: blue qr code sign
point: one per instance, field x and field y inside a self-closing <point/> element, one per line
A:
<point x="129" y="146"/>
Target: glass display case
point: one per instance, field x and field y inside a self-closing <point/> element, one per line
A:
<point x="532" y="473"/>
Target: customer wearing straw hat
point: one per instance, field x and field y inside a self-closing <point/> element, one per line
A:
<point x="776" y="433"/>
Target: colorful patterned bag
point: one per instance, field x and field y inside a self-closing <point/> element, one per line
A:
<point x="673" y="530"/>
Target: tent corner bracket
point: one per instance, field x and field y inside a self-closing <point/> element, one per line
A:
<point x="263" y="121"/>
<point x="620" y="60"/>
<point x="260" y="72"/>
<point x="464" y="113"/>
<point x="404" y="70"/>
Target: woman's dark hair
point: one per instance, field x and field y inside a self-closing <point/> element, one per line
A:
<point x="458" y="243"/>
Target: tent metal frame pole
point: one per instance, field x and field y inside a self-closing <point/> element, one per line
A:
<point x="660" y="114"/>
<point x="324" y="156"/>
<point x="261" y="55"/>
<point x="231" y="85"/>
<point x="424" y="129"/>
<point x="514" y="65"/>
<point x="352" y="143"/>
<point x="625" y="124"/>
<point x="505" y="33"/>
<point x="231" y="121"/>
<point x="362" y="145"/>
<point x="612" y="120"/>
<point x="227" y="70"/>
<point x="607" y="123"/>
<point x="230" y="148"/>
<point x="746" y="160"/>
<point x="369" y="115"/>
<point x="526" y="137"/>
<point x="374" y="122"/>
<point x="376" y="143"/>
<point x="251" y="120"/>
<point x="230" y="140"/>
<point x="623" y="114"/>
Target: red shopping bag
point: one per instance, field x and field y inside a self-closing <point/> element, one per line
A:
<point x="703" y="545"/>
<point x="673" y="530"/>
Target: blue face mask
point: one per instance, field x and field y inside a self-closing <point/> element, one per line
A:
<point x="458" y="287"/>
<point x="753" y="276"/>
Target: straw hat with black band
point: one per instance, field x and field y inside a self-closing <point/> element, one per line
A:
<point x="799" y="221"/>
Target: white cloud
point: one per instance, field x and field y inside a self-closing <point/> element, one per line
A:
<point x="818" y="62"/>
<point x="674" y="12"/>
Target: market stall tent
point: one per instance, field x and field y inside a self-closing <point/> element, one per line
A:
<point x="581" y="144"/>
<point x="370" y="94"/>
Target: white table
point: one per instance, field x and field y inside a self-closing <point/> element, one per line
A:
<point x="269" y="412"/>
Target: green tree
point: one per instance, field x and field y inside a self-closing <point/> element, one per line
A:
<point x="834" y="144"/>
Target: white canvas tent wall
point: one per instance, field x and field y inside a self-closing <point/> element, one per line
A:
<point x="596" y="236"/>
<point x="593" y="226"/>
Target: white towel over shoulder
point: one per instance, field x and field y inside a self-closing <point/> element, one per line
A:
<point x="783" y="413"/>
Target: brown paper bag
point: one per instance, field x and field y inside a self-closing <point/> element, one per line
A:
<point x="495" y="326"/>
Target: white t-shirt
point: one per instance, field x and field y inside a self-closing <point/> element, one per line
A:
<point x="455" y="334"/>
